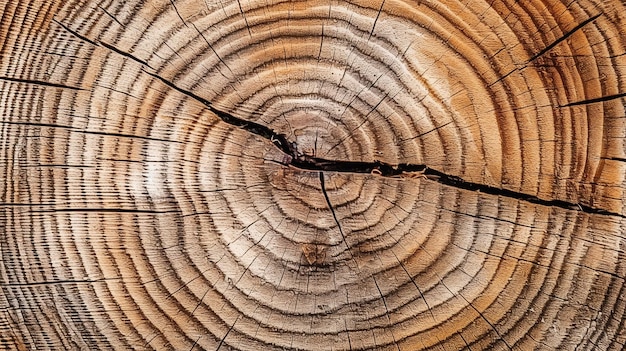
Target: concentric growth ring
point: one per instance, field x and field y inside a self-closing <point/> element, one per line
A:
<point x="260" y="175"/>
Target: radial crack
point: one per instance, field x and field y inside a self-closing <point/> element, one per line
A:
<point x="227" y="332"/>
<point x="305" y="162"/>
<point x="565" y="36"/>
<point x="74" y="33"/>
<point x="594" y="100"/>
<point x="298" y="160"/>
<point x="332" y="210"/>
<point x="40" y="82"/>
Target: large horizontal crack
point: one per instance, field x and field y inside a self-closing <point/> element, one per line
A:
<point x="383" y="169"/>
<point x="379" y="168"/>
<point x="298" y="160"/>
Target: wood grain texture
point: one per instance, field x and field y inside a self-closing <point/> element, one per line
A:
<point x="161" y="182"/>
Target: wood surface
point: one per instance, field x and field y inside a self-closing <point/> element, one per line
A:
<point x="312" y="175"/>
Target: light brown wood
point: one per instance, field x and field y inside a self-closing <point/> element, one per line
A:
<point x="485" y="211"/>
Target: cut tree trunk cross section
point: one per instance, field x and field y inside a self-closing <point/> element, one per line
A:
<point x="312" y="175"/>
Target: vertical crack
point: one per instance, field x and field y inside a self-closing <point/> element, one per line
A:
<point x="178" y="13"/>
<point x="332" y="210"/>
<point x="382" y="296"/>
<point x="228" y="332"/>
<point x="244" y="17"/>
<point x="376" y="20"/>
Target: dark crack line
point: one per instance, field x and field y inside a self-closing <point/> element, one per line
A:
<point x="193" y="346"/>
<point x="382" y="296"/>
<point x="244" y="17"/>
<point x="618" y="159"/>
<point x="39" y="82"/>
<point x="110" y="15"/>
<point x="279" y="140"/>
<point x="345" y="323"/>
<point x="480" y="313"/>
<point x="102" y="210"/>
<point x="298" y="160"/>
<point x="38" y="125"/>
<point x="332" y="210"/>
<point x="215" y="52"/>
<point x="74" y="33"/>
<point x="125" y="54"/>
<point x="376" y="20"/>
<point x="319" y="53"/>
<point x="89" y="132"/>
<point x="57" y="282"/>
<point x="430" y="310"/>
<point x="228" y="332"/>
<point x="425" y="133"/>
<point x="178" y="13"/>
<point x="599" y="99"/>
<point x="549" y="47"/>
<point x="459" y="333"/>
<point x="564" y="37"/>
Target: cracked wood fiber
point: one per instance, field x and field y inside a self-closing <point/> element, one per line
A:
<point x="312" y="175"/>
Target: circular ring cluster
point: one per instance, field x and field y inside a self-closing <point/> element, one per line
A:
<point x="191" y="232"/>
